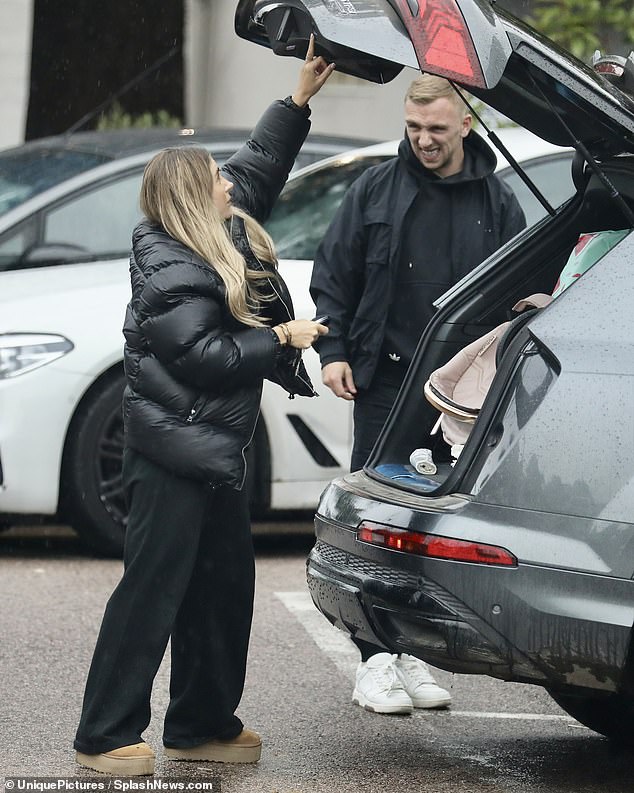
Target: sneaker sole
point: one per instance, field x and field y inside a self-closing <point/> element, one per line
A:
<point x="217" y="754"/>
<point x="135" y="766"/>
<point x="432" y="703"/>
<point x="359" y="699"/>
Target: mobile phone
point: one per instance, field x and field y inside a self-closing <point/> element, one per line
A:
<point x="323" y="320"/>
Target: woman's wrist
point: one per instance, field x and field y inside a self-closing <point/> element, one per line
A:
<point x="298" y="104"/>
<point x="283" y="334"/>
<point x="300" y="99"/>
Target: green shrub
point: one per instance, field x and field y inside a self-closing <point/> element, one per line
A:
<point x="583" y="26"/>
<point x="118" y="118"/>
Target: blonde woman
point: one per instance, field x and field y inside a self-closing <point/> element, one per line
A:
<point x="209" y="318"/>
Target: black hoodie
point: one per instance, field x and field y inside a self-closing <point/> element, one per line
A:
<point x="393" y="210"/>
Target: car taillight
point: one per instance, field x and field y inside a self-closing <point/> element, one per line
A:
<point x="431" y="545"/>
<point x="442" y="40"/>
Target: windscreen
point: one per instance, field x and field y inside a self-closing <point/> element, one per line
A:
<point x="24" y="174"/>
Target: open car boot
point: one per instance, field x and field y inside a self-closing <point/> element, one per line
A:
<point x="459" y="388"/>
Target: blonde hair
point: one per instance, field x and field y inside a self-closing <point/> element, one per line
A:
<point x="429" y="87"/>
<point x="177" y="193"/>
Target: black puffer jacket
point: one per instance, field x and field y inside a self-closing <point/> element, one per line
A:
<point x="194" y="373"/>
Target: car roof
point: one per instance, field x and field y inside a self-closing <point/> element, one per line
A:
<point x="84" y="158"/>
<point x="115" y="144"/>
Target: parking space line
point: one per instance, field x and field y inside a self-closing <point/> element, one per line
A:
<point x="330" y="640"/>
<point x="477" y="714"/>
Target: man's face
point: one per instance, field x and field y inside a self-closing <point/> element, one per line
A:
<point x="436" y="131"/>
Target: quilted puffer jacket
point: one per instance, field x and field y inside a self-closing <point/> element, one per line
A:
<point x="194" y="373"/>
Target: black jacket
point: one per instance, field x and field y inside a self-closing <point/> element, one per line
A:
<point x="194" y="373"/>
<point x="355" y="266"/>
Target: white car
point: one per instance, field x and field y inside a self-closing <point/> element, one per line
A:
<point x="61" y="345"/>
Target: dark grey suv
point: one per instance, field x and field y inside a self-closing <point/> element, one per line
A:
<point x="516" y="559"/>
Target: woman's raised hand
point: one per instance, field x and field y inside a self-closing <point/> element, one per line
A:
<point x="314" y="73"/>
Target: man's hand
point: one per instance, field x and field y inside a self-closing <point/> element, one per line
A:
<point x="338" y="377"/>
<point x="315" y="71"/>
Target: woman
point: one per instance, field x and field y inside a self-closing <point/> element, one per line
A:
<point x="198" y="344"/>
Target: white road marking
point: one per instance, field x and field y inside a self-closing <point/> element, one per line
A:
<point x="337" y="646"/>
<point x="330" y="640"/>
<point x="476" y="714"/>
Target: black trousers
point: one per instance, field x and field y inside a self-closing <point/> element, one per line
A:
<point x="371" y="409"/>
<point x="189" y="575"/>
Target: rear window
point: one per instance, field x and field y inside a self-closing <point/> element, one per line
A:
<point x="25" y="174"/>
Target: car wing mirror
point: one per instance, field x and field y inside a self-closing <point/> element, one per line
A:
<point x="54" y="253"/>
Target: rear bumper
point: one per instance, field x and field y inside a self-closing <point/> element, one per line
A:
<point x="556" y="627"/>
<point x="407" y="613"/>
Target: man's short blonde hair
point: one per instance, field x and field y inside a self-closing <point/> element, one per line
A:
<point x="429" y="87"/>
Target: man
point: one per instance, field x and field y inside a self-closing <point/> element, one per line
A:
<point x="406" y="231"/>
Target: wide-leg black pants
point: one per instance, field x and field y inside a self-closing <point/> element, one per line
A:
<point x="189" y="575"/>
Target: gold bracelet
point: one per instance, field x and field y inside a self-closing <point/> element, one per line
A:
<point x="287" y="334"/>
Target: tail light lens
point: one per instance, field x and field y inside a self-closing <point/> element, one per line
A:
<point x="432" y="546"/>
<point x="441" y="40"/>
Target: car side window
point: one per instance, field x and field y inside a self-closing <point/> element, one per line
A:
<point x="15" y="242"/>
<point x="307" y="204"/>
<point x="98" y="221"/>
<point x="551" y="174"/>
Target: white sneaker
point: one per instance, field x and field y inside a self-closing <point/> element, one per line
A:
<point x="419" y="683"/>
<point x="379" y="687"/>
